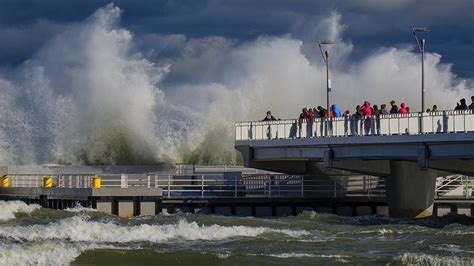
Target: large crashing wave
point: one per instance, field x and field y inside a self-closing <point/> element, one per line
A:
<point x="87" y="98"/>
<point x="90" y="96"/>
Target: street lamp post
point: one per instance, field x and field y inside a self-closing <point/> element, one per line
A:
<point x="421" y="45"/>
<point x="325" y="56"/>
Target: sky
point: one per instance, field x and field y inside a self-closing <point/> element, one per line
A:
<point x="26" y="24"/>
<point x="139" y="82"/>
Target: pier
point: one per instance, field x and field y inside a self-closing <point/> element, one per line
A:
<point x="222" y="190"/>
<point x="408" y="150"/>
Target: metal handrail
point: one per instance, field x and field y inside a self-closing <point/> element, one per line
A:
<point x="237" y="186"/>
<point x="387" y="124"/>
<point x="459" y="187"/>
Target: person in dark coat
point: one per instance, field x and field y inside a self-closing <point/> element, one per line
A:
<point x="463" y="105"/>
<point x="269" y="117"/>
<point x="322" y="112"/>
<point x="394" y="109"/>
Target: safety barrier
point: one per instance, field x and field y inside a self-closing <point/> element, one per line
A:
<point x="389" y="124"/>
<point x="269" y="185"/>
<point x="455" y="186"/>
<point x="238" y="186"/>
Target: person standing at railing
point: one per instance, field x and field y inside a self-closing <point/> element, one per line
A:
<point x="383" y="109"/>
<point x="355" y="118"/>
<point x="309" y="113"/>
<point x="367" y="112"/>
<point x="403" y="110"/>
<point x="335" y="111"/>
<point x="269" y="117"/>
<point x="471" y="106"/>
<point x="301" y="119"/>
<point x="435" y="108"/>
<point x="463" y="105"/>
<point x="309" y="122"/>
<point x="322" y="112"/>
<point x="394" y="109"/>
<point x="376" y="114"/>
<point x="303" y="114"/>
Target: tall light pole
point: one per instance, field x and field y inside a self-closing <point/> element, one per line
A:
<point x="421" y="45"/>
<point x="325" y="56"/>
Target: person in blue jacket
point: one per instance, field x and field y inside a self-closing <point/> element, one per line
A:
<point x="335" y="111"/>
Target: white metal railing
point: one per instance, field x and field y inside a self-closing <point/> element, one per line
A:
<point x="248" y="185"/>
<point x="269" y="185"/>
<point x="455" y="186"/>
<point x="389" y="124"/>
<point x="80" y="181"/>
<point x="221" y="185"/>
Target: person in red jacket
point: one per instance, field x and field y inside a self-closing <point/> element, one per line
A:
<point x="366" y="109"/>
<point x="403" y="109"/>
<point x="309" y="113"/>
<point x="367" y="112"/>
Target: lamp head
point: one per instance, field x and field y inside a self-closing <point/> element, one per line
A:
<point x="325" y="42"/>
<point x="420" y="29"/>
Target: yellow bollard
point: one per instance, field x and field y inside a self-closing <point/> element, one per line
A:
<point x="47" y="182"/>
<point x="96" y="182"/>
<point x="5" y="181"/>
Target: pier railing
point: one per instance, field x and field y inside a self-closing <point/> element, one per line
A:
<point x="248" y="185"/>
<point x="271" y="185"/>
<point x="388" y="124"/>
<point x="222" y="185"/>
<point x="455" y="186"/>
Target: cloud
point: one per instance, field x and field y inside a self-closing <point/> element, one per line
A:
<point x="98" y="92"/>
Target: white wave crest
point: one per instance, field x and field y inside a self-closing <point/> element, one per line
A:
<point x="80" y="208"/>
<point x="302" y="255"/>
<point x="42" y="253"/>
<point x="9" y="208"/>
<point x="79" y="229"/>
<point x="426" y="259"/>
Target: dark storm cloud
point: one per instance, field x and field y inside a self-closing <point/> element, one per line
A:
<point x="25" y="25"/>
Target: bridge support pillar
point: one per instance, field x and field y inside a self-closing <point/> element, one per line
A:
<point x="410" y="190"/>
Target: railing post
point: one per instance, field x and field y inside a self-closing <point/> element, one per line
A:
<point x="369" y="187"/>
<point x="466" y="187"/>
<point x="302" y="186"/>
<point x="421" y="121"/>
<point x="270" y="186"/>
<point x="148" y="181"/>
<point x="169" y="185"/>
<point x="156" y="181"/>
<point x="202" y="186"/>
<point x="235" y="186"/>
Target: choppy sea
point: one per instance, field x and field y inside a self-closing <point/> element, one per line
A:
<point x="32" y="235"/>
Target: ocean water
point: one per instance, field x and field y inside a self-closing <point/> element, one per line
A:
<point x="32" y="235"/>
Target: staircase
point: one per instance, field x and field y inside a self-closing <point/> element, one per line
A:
<point x="455" y="186"/>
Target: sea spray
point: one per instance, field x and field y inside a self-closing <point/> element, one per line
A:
<point x="8" y="209"/>
<point x="88" y="96"/>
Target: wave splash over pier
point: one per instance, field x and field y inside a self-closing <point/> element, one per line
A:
<point x="92" y="95"/>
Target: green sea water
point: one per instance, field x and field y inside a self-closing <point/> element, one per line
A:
<point x="79" y="236"/>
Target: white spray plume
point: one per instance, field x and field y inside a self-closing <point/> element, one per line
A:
<point x="89" y="97"/>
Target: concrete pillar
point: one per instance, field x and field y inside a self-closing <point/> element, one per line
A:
<point x="147" y="208"/>
<point x="410" y="191"/>
<point x="125" y="208"/>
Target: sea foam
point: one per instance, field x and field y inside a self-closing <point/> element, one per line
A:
<point x="78" y="228"/>
<point x="9" y="208"/>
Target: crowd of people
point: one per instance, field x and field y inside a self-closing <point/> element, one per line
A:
<point x="365" y="110"/>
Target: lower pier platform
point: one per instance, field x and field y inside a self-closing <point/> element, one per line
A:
<point x="225" y="193"/>
<point x="267" y="207"/>
<point x="124" y="202"/>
